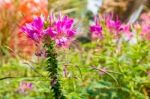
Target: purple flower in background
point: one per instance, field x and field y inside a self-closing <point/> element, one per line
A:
<point x="25" y="86"/>
<point x="34" y="30"/>
<point x="146" y="31"/>
<point x="61" y="30"/>
<point x="113" y="25"/>
<point x="96" y="29"/>
<point x="125" y="28"/>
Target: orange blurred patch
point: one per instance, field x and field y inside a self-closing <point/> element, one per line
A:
<point x="6" y="4"/>
<point x="34" y="7"/>
<point x="21" y="45"/>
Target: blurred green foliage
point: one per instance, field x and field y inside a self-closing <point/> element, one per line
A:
<point x="126" y="74"/>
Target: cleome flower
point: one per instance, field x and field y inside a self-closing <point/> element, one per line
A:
<point x="25" y="86"/>
<point x="61" y="30"/>
<point x="34" y="30"/>
<point x="96" y="29"/>
<point x="113" y="25"/>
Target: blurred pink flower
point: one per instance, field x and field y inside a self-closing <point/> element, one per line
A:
<point x="145" y="17"/>
<point x="126" y="29"/>
<point x="113" y="25"/>
<point x="25" y="86"/>
<point x="96" y="29"/>
<point x="146" y="31"/>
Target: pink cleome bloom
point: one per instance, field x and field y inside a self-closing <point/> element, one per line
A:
<point x="61" y="30"/>
<point x="113" y="25"/>
<point x="126" y="29"/>
<point x="146" y="31"/>
<point x="25" y="86"/>
<point x="96" y="29"/>
<point x="34" y="30"/>
<point x="145" y="17"/>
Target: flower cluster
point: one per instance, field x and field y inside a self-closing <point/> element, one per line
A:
<point x="113" y="25"/>
<point x="60" y="29"/>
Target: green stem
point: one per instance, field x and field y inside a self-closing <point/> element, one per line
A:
<point x="52" y="68"/>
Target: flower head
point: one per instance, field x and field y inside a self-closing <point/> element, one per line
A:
<point x="61" y="30"/>
<point x="113" y="25"/>
<point x="34" y="30"/>
<point x="25" y="86"/>
<point x="96" y="29"/>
